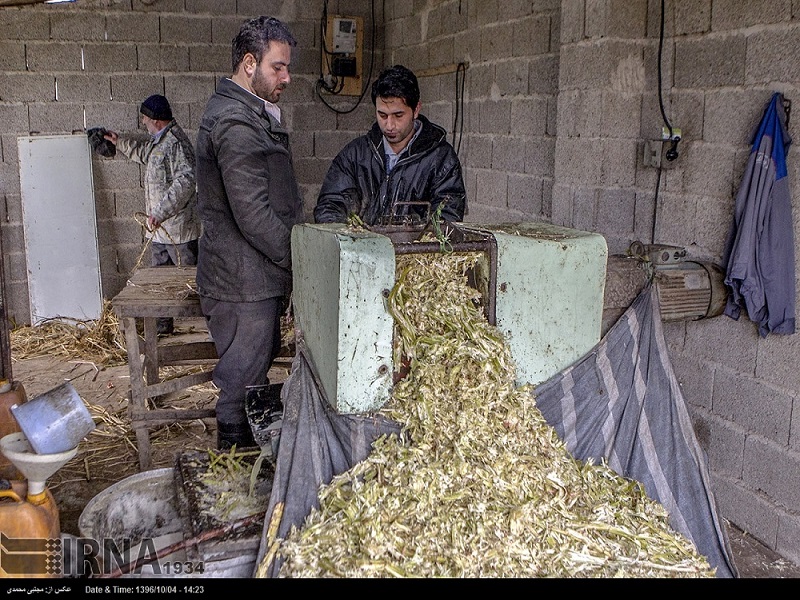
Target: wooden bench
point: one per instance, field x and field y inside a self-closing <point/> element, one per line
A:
<point x="152" y="293"/>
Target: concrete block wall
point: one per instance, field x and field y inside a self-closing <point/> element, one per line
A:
<point x="507" y="108"/>
<point x="721" y="61"/>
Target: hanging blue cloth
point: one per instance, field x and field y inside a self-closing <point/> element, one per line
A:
<point x="759" y="253"/>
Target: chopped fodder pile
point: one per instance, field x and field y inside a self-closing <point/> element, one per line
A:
<point x="478" y="484"/>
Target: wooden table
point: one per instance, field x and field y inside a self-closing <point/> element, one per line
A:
<point x="152" y="293"/>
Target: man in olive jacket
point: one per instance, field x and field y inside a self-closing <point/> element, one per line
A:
<point x="248" y="200"/>
<point x="401" y="171"/>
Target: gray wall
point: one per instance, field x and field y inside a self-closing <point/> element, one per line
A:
<point x="559" y="99"/>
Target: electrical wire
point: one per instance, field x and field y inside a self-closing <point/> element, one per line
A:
<point x="666" y="122"/>
<point x="339" y="84"/>
<point x="458" y="119"/>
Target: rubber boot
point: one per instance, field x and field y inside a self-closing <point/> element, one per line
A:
<point x="239" y="435"/>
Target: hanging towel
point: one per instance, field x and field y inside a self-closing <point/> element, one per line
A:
<point x="759" y="251"/>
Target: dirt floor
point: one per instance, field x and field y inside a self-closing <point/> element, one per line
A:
<point x="109" y="453"/>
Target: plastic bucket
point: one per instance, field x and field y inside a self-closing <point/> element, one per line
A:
<point x="55" y="421"/>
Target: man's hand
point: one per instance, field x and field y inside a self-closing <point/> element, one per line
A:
<point x="111" y="136"/>
<point x="153" y="223"/>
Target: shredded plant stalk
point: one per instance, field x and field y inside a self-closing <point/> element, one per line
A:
<point x="477" y="484"/>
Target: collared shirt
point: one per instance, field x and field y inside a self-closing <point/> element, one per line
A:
<point x="272" y="109"/>
<point x="391" y="156"/>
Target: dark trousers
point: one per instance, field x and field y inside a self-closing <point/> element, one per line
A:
<point x="172" y="254"/>
<point x="247" y="336"/>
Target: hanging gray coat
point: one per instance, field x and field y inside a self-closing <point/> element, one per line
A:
<point x="760" y="248"/>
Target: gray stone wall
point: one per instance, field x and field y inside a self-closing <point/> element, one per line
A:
<point x="559" y="98"/>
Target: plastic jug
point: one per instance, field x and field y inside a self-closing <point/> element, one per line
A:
<point x="28" y="524"/>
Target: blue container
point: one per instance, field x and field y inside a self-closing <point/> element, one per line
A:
<point x="55" y="421"/>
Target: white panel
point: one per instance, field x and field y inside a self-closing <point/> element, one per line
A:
<point x="58" y="215"/>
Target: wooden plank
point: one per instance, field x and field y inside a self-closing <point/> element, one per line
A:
<point x="179" y="383"/>
<point x="188" y="353"/>
<point x="165" y="416"/>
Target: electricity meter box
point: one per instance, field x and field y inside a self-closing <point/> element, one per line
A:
<point x="547" y="288"/>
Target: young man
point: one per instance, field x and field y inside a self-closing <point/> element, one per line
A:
<point x="248" y="201"/>
<point x="404" y="158"/>
<point x="169" y="187"/>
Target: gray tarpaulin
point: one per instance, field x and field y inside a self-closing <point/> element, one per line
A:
<point x="317" y="443"/>
<point x="621" y="402"/>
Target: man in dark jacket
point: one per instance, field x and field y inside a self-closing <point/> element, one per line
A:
<point x="248" y="200"/>
<point x="403" y="170"/>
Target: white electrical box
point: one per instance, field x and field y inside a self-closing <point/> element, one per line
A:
<point x="344" y="36"/>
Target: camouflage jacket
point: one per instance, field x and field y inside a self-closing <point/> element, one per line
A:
<point x="170" y="188"/>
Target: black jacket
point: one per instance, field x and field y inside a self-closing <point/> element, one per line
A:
<point x="356" y="181"/>
<point x="247" y="198"/>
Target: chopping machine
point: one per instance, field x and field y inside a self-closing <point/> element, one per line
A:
<point x="542" y="285"/>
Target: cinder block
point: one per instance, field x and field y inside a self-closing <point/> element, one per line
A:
<point x="690" y="17"/>
<point x="788" y="544"/>
<point x="15" y="265"/>
<point x="710" y="169"/>
<point x="225" y="28"/>
<point x="539" y="155"/>
<point x="9" y="175"/>
<point x="18" y="24"/>
<point x="525" y="194"/>
<point x="162" y="6"/>
<point x="310" y="170"/>
<point x="13" y="118"/>
<point x="695" y="377"/>
<point x="585" y="207"/>
<point x="508" y="154"/>
<point x="158" y="59"/>
<point x="132" y="27"/>
<point x="531" y="36"/>
<point x="18" y="303"/>
<point x="80" y="87"/>
<point x="562" y="205"/>
<point x="211" y="57"/>
<point x="128" y="202"/>
<point x="49" y="57"/>
<point x="117" y="116"/>
<point x="730" y="14"/>
<point x="77" y="26"/>
<point x="26" y="87"/>
<point x="511" y="77"/>
<point x="615" y="210"/>
<point x="125" y="88"/>
<point x="103" y="201"/>
<point x="492" y="188"/>
<point x="12" y="56"/>
<point x="13" y="239"/>
<point x="56" y="117"/>
<point x="771" y="469"/>
<point x="110" y="57"/>
<point x="771" y="56"/>
<point x="496" y="41"/>
<point x="188" y="88"/>
<point x="11" y="211"/>
<point x="729" y="114"/>
<point x="213" y="7"/>
<point x="480" y="152"/>
<point x="441" y="52"/>
<point x="177" y="29"/>
<point x="746" y="509"/>
<point x="712" y="62"/>
<point x="327" y="144"/>
<point x="573" y="15"/>
<point x="495" y="117"/>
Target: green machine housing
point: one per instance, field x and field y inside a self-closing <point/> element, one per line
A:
<point x="542" y="285"/>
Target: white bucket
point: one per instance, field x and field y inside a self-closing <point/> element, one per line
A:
<point x="55" y="421"/>
<point x="143" y="512"/>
